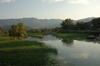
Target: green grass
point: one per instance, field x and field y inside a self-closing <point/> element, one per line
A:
<point x="20" y="44"/>
<point x="4" y="38"/>
<point x="71" y="35"/>
<point x="26" y="53"/>
<point x="36" y="35"/>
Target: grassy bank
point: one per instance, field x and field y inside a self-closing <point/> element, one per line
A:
<point x="4" y="38"/>
<point x="36" y="35"/>
<point x="71" y="35"/>
<point x="25" y="53"/>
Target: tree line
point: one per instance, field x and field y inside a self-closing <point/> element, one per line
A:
<point x="67" y="24"/>
<point x="20" y="30"/>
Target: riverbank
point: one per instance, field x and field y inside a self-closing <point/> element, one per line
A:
<point x="72" y="35"/>
<point x="25" y="53"/>
<point x="36" y="35"/>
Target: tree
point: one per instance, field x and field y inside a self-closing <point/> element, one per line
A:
<point x="18" y="30"/>
<point x="3" y="31"/>
<point x="67" y="24"/>
<point x="82" y="25"/>
<point x="96" y="23"/>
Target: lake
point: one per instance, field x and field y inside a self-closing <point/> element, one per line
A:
<point x="74" y="52"/>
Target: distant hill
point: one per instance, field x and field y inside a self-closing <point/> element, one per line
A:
<point x="37" y="23"/>
<point x="32" y="22"/>
<point x="84" y="20"/>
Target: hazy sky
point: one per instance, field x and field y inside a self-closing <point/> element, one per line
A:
<point x="75" y="9"/>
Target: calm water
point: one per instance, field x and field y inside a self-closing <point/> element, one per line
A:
<point x="75" y="52"/>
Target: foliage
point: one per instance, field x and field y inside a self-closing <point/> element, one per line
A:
<point x="67" y="24"/>
<point x="96" y="23"/>
<point x="18" y="30"/>
<point x="36" y="30"/>
<point x="82" y="26"/>
<point x="3" y="31"/>
<point x="55" y="29"/>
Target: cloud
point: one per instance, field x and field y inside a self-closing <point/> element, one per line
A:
<point x="69" y="1"/>
<point x="3" y="1"/>
<point x="78" y="1"/>
<point x="52" y="1"/>
<point x="82" y="55"/>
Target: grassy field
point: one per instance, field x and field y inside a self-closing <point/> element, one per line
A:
<point x="36" y="35"/>
<point x="25" y="53"/>
<point x="71" y="35"/>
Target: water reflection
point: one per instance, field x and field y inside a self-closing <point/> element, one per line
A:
<point x="81" y="53"/>
<point x="67" y="41"/>
<point x="93" y="40"/>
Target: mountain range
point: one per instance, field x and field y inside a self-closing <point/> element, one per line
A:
<point x="84" y="20"/>
<point x="37" y="23"/>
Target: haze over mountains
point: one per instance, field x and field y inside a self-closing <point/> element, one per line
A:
<point x="84" y="20"/>
<point x="37" y="23"/>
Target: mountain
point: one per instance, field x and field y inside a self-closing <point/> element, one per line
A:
<point x="84" y="20"/>
<point x="38" y="23"/>
<point x="32" y="22"/>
